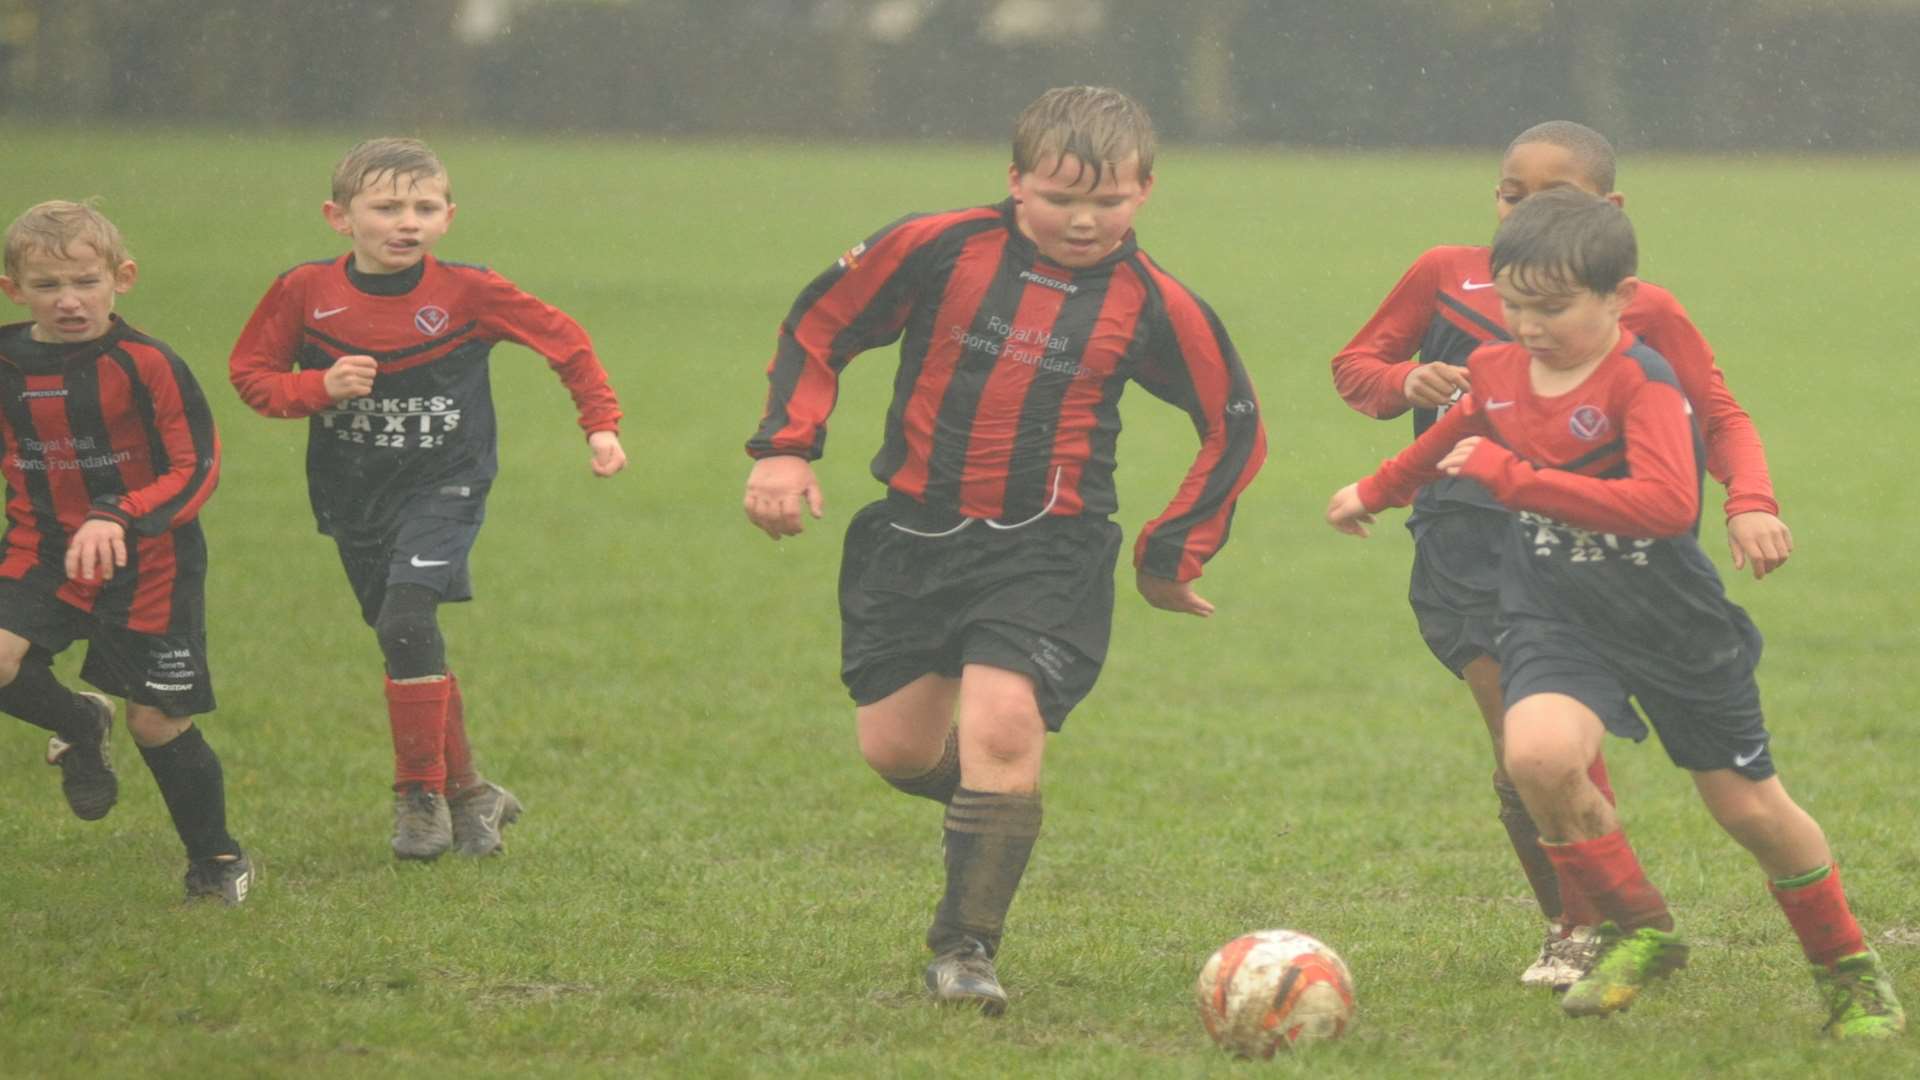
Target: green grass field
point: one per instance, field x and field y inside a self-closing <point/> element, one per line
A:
<point x="710" y="883"/>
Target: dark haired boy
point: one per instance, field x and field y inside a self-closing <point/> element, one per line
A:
<point x="385" y="351"/>
<point x="1443" y="308"/>
<point x="1582" y="431"/>
<point x="976" y="598"/>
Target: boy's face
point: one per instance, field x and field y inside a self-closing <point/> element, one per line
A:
<point x="1566" y="327"/>
<point x="393" y="221"/>
<point x="70" y="296"/>
<point x="1533" y="167"/>
<point x="1072" y="222"/>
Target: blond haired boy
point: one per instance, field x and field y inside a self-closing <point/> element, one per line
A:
<point x="109" y="453"/>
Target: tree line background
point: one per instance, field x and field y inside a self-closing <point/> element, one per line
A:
<point x="1676" y="74"/>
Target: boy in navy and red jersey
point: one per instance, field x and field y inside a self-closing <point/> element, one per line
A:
<point x="384" y="350"/>
<point x="109" y="451"/>
<point x="976" y="598"/>
<point x="1584" y="432"/>
<point x="1442" y="309"/>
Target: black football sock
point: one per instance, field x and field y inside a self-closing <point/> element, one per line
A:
<point x="188" y="772"/>
<point x="939" y="782"/>
<point x="989" y="838"/>
<point x="37" y="697"/>
<point x="1525" y="837"/>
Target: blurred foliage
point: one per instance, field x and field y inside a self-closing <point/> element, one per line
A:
<point x="1708" y="74"/>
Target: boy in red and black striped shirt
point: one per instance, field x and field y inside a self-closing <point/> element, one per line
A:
<point x="976" y="598"/>
<point x="109" y="450"/>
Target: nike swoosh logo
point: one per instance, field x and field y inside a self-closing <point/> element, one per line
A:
<point x="424" y="563"/>
<point x="1470" y="285"/>
<point x="1492" y="405"/>
<point x="329" y="313"/>
<point x="1741" y="761"/>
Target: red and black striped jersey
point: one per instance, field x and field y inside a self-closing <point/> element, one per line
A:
<point x="429" y="424"/>
<point x="112" y="428"/>
<point x="1006" y="402"/>
<point x="1445" y="307"/>
<point x="1604" y="484"/>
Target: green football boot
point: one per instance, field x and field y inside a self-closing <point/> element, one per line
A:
<point x="1859" y="998"/>
<point x="1626" y="964"/>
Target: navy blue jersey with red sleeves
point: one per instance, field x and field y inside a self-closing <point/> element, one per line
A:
<point x="429" y="424"/>
<point x="1604" y="482"/>
<point x="1006" y="402"/>
<point x="1445" y="306"/>
<point x="115" y="428"/>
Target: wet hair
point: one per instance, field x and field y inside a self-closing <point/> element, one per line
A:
<point x="1099" y="126"/>
<point x="1588" y="147"/>
<point x="371" y="160"/>
<point x="1563" y="240"/>
<point x="56" y="226"/>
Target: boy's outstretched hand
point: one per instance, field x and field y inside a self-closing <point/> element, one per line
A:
<point x="1170" y="595"/>
<point x="350" y="377"/>
<point x="1347" y="513"/>
<point x="1760" y="540"/>
<point x="777" y="488"/>
<point x="98" y="547"/>
<point x="608" y="457"/>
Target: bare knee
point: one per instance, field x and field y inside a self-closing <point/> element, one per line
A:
<point x="13" y="653"/>
<point x="904" y="733"/>
<point x="150" y="727"/>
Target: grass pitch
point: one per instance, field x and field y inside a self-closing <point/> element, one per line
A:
<point x="709" y="883"/>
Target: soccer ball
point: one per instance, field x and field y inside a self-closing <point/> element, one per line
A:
<point x="1271" y="990"/>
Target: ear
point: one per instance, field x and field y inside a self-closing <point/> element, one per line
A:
<point x="450" y="209"/>
<point x="1013" y="180"/>
<point x="1616" y="198"/>
<point x="124" y="276"/>
<point x="1624" y="292"/>
<point x="336" y="216"/>
<point x="12" y="289"/>
<point x="1146" y="189"/>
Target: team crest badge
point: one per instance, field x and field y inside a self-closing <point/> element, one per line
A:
<point x="1588" y="423"/>
<point x="430" y="320"/>
<point x="851" y="259"/>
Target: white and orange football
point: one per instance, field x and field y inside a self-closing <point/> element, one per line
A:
<point x="1273" y="990"/>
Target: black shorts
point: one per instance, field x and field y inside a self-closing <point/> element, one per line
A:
<point x="1707" y="717"/>
<point x="164" y="671"/>
<point x="1037" y="600"/>
<point x="1455" y="584"/>
<point x="429" y="547"/>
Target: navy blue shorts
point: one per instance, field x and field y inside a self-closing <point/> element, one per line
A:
<point x="1037" y="600"/>
<point x="1708" y="717"/>
<point x="163" y="671"/>
<point x="1455" y="584"/>
<point x="429" y="547"/>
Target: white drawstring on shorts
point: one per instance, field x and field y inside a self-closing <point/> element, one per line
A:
<point x="992" y="524"/>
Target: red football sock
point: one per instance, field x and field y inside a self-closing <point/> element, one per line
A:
<point x="1821" y="918"/>
<point x="1606" y="872"/>
<point x="1597" y="772"/>
<point x="1575" y="908"/>
<point x="417" y="712"/>
<point x="460" y="771"/>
